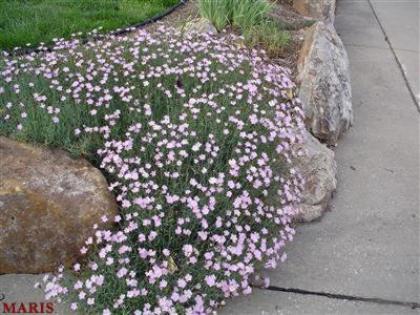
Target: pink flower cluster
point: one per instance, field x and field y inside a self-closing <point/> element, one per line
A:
<point x="197" y="137"/>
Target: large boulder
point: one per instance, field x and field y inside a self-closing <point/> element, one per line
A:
<point x="49" y="203"/>
<point x="323" y="76"/>
<point x="319" y="169"/>
<point x="289" y="18"/>
<point x="318" y="9"/>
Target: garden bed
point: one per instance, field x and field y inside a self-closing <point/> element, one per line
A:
<point x="201" y="137"/>
<point x="195" y="135"/>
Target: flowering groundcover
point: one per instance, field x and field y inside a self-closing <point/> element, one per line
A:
<point x="195" y="134"/>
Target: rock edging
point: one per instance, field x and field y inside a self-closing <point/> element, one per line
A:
<point x="319" y="169"/>
<point x="324" y="88"/>
<point x="318" y="9"/>
<point x="324" y="83"/>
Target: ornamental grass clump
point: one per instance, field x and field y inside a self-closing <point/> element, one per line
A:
<point x="252" y="19"/>
<point x="196" y="136"/>
<point x="244" y="14"/>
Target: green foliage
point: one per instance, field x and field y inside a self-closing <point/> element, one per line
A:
<point x="215" y="11"/>
<point x="250" y="17"/>
<point x="35" y="21"/>
<point x="243" y="14"/>
<point x="270" y="36"/>
<point x="249" y="13"/>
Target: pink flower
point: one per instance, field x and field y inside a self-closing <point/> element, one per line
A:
<point x="76" y="267"/>
<point x="187" y="249"/>
<point x="210" y="280"/>
<point x="181" y="283"/>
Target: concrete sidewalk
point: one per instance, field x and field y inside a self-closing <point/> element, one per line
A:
<point x="368" y="245"/>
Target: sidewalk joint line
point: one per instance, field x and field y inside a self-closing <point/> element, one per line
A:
<point x="400" y="66"/>
<point x="412" y="305"/>
<point x="377" y="47"/>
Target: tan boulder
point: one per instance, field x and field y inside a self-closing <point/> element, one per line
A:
<point x="199" y="25"/>
<point x="319" y="169"/>
<point x="49" y="203"/>
<point x="318" y="9"/>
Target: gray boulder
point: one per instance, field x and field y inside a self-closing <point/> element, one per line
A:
<point x="323" y="76"/>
